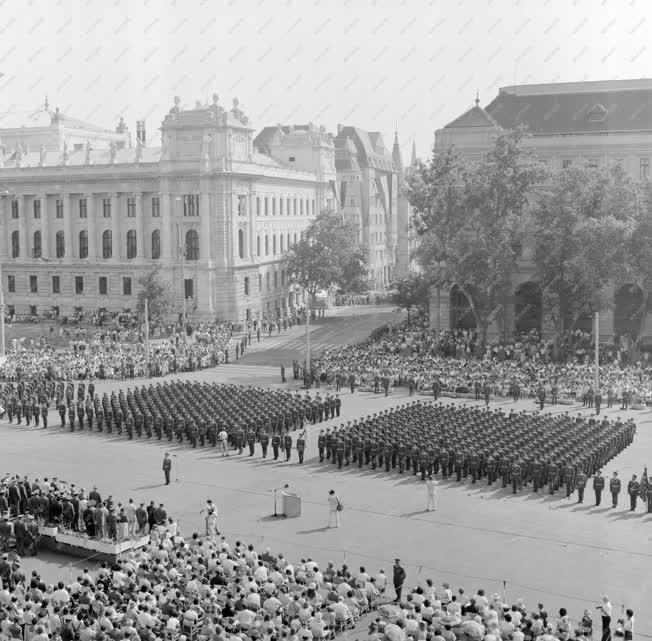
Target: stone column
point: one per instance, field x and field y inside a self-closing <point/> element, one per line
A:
<point x="92" y="228"/>
<point x="25" y="228"/>
<point x="166" y="239"/>
<point x="115" y="227"/>
<point x="67" y="221"/>
<point x="44" y="224"/>
<point x="140" y="228"/>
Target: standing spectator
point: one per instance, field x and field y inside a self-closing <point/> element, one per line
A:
<point x="334" y="509"/>
<point x="399" y="579"/>
<point x="605" y="611"/>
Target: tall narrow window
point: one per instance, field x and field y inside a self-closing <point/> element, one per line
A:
<point x="275" y="280"/>
<point x="37" y="208"/>
<point x="15" y="244"/>
<point x="257" y="205"/>
<point x="132" y="248"/>
<point x="192" y="245"/>
<point x="266" y="245"/>
<point x="33" y="285"/>
<point x="107" y="244"/>
<point x="106" y="207"/>
<point x="126" y="286"/>
<point x="131" y="208"/>
<point x="83" y="244"/>
<point x="191" y="205"/>
<point x="246" y="285"/>
<point x="11" y="284"/>
<point x="273" y="206"/>
<point x="156" y="244"/>
<point x="240" y="243"/>
<point x="83" y="208"/>
<point x="103" y="286"/>
<point x="60" y="242"/>
<point x="274" y="245"/>
<point x="156" y="207"/>
<point x="257" y="245"/>
<point x="79" y="285"/>
<point x="266" y="206"/>
<point x="36" y="245"/>
<point x="281" y="240"/>
<point x="644" y="168"/>
<point x="14" y="209"/>
<point x="56" y="284"/>
<point x="59" y="208"/>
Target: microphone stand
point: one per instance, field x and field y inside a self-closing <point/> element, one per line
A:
<point x="276" y="515"/>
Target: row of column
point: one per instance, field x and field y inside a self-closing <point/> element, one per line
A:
<point x="119" y="224"/>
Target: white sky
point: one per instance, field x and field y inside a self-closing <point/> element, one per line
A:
<point x="358" y="62"/>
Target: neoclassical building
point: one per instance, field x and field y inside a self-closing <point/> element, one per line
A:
<point x="596" y="122"/>
<point x="84" y="213"/>
<point x="368" y="187"/>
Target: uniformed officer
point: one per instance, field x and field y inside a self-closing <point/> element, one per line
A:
<point x="581" y="484"/>
<point x="536" y="474"/>
<point x="321" y="445"/>
<point x="251" y="441"/>
<point x="276" y="442"/>
<point x="516" y="477"/>
<point x="264" y="442"/>
<point x="504" y="470"/>
<point x="598" y="486"/>
<point x="633" y="489"/>
<point x="287" y="445"/>
<point x="44" y="415"/>
<point x="614" y="488"/>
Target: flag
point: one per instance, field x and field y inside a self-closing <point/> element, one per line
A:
<point x="644" y="485"/>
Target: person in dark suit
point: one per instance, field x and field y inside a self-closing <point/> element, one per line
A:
<point x="167" y="468"/>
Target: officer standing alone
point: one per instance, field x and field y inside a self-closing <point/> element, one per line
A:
<point x="167" y="468"/>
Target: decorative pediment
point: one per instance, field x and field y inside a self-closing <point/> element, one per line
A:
<point x="597" y="113"/>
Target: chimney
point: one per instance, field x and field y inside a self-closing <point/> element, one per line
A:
<point x="140" y="132"/>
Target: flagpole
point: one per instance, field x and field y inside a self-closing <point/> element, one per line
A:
<point x="597" y="353"/>
<point x="3" y="350"/>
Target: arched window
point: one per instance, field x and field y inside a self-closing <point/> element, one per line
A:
<point x="83" y="244"/>
<point x="37" y="246"/>
<point x="274" y="245"/>
<point x="240" y="243"/>
<point x="156" y="244"/>
<point x="192" y="245"/>
<point x="107" y="244"/>
<point x="132" y="247"/>
<point x="266" y="245"/>
<point x="257" y="245"/>
<point x="60" y="241"/>
<point x="15" y="244"/>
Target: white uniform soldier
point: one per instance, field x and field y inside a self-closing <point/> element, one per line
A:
<point x="222" y="438"/>
<point x="211" y="518"/>
<point x="431" y="487"/>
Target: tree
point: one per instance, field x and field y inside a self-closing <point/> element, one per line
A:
<point x="581" y="219"/>
<point x="412" y="292"/>
<point x="327" y="255"/>
<point x="470" y="218"/>
<point x="156" y="291"/>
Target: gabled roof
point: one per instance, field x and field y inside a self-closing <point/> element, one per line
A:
<point x="574" y="110"/>
<point x="364" y="143"/>
<point x="474" y="117"/>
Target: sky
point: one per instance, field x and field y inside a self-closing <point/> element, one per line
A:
<point x="381" y="65"/>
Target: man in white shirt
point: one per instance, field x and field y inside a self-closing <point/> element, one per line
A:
<point x="431" y="488"/>
<point x="222" y="438"/>
<point x="130" y="511"/>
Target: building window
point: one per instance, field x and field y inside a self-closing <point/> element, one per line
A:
<point x="14" y="209"/>
<point x="266" y="245"/>
<point x="260" y="282"/>
<point x="257" y="205"/>
<point x="191" y="205"/>
<point x="295" y="238"/>
<point x="192" y="245"/>
<point x="292" y="158"/>
<point x="56" y="284"/>
<point x="280" y="206"/>
<point x="257" y="245"/>
<point x="59" y="208"/>
<point x="106" y="207"/>
<point x="313" y="207"/>
<point x="281" y="241"/>
<point x="36" y="245"/>
<point x="301" y="207"/>
<point x="83" y="244"/>
<point x="282" y="277"/>
<point x="295" y="207"/>
<point x="79" y="285"/>
<point x="15" y="244"/>
<point x="131" y="208"/>
<point x="37" y="208"/>
<point x="246" y="285"/>
<point x="83" y="208"/>
<point x="240" y="243"/>
<point x="274" y="245"/>
<point x="188" y="288"/>
<point x="156" y="244"/>
<point x="644" y="168"/>
<point x="266" y="206"/>
<point x="107" y="244"/>
<point x="33" y="285"/>
<point x="288" y="241"/>
<point x="103" y="285"/>
<point x="273" y="206"/>
<point x="131" y="244"/>
<point x="11" y="284"/>
<point x="156" y="207"/>
<point x="267" y="281"/>
<point x="126" y="286"/>
<point x="275" y="280"/>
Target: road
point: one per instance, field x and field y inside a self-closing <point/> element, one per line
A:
<point x="543" y="548"/>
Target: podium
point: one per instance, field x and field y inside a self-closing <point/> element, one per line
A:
<point x="291" y="504"/>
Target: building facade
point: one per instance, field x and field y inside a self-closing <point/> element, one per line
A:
<point x="367" y="190"/>
<point x="594" y="122"/>
<point x="80" y="226"/>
